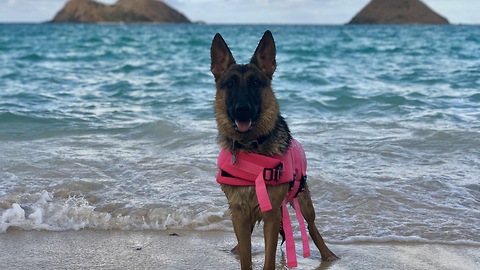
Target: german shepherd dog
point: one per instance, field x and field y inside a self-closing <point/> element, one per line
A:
<point x="248" y="119"/>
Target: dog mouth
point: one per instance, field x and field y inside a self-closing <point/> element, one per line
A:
<point x="243" y="125"/>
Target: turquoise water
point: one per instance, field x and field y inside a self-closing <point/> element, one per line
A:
<point x="112" y="127"/>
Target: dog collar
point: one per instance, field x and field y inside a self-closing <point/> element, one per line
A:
<point x="254" y="143"/>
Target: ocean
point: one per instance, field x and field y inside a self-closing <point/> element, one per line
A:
<point x="111" y="127"/>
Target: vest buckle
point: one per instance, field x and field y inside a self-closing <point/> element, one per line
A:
<point x="270" y="174"/>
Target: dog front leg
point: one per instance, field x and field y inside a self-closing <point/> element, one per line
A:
<point x="271" y="228"/>
<point x="242" y="227"/>
<point x="234" y="249"/>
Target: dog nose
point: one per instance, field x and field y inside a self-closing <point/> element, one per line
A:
<point x="243" y="108"/>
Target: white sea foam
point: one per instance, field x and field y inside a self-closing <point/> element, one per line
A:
<point x="402" y="239"/>
<point x="76" y="213"/>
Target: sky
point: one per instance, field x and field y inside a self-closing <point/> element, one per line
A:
<point x="250" y="11"/>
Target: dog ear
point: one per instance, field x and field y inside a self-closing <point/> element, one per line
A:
<point x="221" y="57"/>
<point x="264" y="56"/>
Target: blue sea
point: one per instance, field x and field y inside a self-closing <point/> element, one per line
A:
<point x="111" y="127"/>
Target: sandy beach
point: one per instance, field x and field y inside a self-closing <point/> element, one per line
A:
<point x="182" y="249"/>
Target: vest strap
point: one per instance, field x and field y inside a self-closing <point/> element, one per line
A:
<point x="303" y="229"/>
<point x="262" y="195"/>
<point x="289" y="240"/>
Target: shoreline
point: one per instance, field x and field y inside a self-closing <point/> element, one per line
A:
<point x="185" y="249"/>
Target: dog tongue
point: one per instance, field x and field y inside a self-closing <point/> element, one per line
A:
<point x="243" y="126"/>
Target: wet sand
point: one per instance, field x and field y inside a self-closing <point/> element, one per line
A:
<point x="182" y="249"/>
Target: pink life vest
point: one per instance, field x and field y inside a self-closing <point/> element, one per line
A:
<point x="249" y="169"/>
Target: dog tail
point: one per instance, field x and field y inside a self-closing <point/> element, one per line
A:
<point x="282" y="232"/>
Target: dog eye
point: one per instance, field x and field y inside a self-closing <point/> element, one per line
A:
<point x="257" y="83"/>
<point x="229" y="84"/>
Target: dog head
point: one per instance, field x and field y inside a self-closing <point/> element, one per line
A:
<point x="245" y="105"/>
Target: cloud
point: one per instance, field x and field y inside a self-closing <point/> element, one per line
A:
<point x="248" y="11"/>
<point x="29" y="10"/>
<point x="269" y="11"/>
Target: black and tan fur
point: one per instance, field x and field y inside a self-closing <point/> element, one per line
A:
<point x="245" y="97"/>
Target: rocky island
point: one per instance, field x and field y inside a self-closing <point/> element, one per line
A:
<point x="123" y="11"/>
<point x="397" y="12"/>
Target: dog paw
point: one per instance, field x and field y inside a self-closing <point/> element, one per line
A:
<point x="330" y="257"/>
